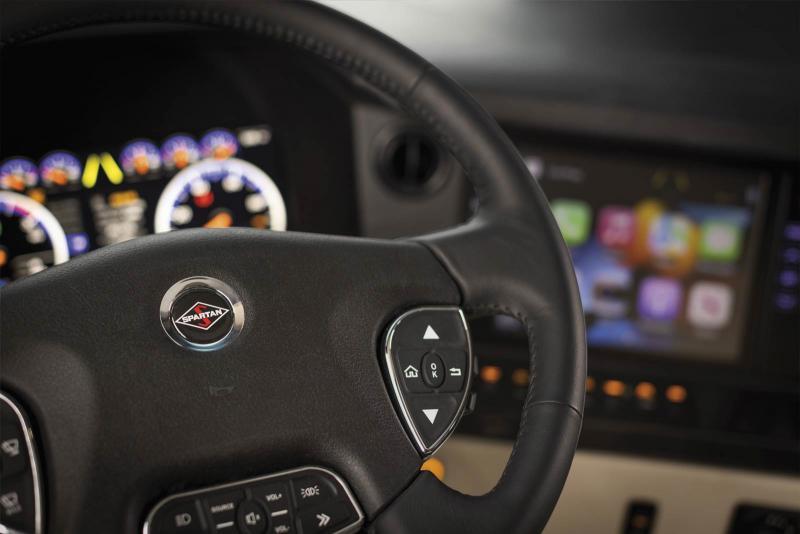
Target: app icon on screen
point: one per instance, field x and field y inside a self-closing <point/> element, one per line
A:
<point x="659" y="299"/>
<point x="720" y="241"/>
<point x="610" y="292"/>
<point x="710" y="305"/>
<point x="616" y="227"/>
<point x="574" y="220"/>
<point x="672" y="240"/>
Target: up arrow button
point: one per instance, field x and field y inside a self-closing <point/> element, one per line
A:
<point x="430" y="333"/>
<point x="430" y="327"/>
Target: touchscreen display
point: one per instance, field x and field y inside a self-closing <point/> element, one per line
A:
<point x="664" y="255"/>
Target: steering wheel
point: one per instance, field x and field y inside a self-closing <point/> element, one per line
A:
<point x="127" y="407"/>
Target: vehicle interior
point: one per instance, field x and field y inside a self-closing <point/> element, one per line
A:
<point x="399" y="266"/>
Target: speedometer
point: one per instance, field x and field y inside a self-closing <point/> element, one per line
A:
<point x="31" y="239"/>
<point x="220" y="194"/>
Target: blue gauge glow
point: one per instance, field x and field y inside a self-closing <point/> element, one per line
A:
<point x="18" y="174"/>
<point x="140" y="157"/>
<point x="59" y="169"/>
<point x="179" y="151"/>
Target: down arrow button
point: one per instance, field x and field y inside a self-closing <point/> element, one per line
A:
<point x="433" y="414"/>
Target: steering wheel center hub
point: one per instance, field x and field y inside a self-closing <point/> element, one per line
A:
<point x="201" y="313"/>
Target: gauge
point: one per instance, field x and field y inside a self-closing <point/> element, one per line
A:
<point x="59" y="168"/>
<point x="220" y="194"/>
<point x="178" y="151"/>
<point x="140" y="157"/>
<point x="31" y="239"/>
<point x="219" y="144"/>
<point x="18" y="174"/>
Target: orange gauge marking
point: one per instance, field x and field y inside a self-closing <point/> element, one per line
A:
<point x="181" y="158"/>
<point x="222" y="219"/>
<point x="57" y="176"/>
<point x="141" y="164"/>
<point x="259" y="221"/>
<point x="16" y="182"/>
<point x="222" y="152"/>
<point x="37" y="194"/>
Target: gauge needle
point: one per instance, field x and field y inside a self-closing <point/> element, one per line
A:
<point x="222" y="219"/>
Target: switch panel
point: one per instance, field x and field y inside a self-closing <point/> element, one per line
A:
<point x="309" y="500"/>
<point x="21" y="507"/>
<point x="429" y="364"/>
<point x="750" y="519"/>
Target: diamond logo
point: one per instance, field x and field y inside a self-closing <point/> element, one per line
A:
<point x="202" y="315"/>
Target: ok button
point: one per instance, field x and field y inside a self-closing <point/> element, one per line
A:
<point x="432" y="370"/>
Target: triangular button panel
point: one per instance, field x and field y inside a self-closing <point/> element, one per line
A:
<point x="428" y="360"/>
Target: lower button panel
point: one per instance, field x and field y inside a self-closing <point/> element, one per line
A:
<point x="21" y="506"/>
<point x="324" y="518"/>
<point x="306" y="500"/>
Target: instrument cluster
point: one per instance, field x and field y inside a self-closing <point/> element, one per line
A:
<point x="66" y="204"/>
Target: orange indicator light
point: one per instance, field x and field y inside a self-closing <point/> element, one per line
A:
<point x="591" y="384"/>
<point x="645" y="391"/>
<point x="37" y="194"/>
<point x="614" y="388"/>
<point x="520" y="377"/>
<point x="491" y="374"/>
<point x="122" y="198"/>
<point x="676" y="394"/>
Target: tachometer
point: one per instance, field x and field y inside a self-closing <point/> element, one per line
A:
<point x="220" y="194"/>
<point x="31" y="239"/>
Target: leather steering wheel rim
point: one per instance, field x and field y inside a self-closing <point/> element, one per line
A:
<point x="509" y="258"/>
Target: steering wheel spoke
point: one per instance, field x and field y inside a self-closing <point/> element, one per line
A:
<point x="302" y="384"/>
<point x="519" y="267"/>
<point x="505" y="265"/>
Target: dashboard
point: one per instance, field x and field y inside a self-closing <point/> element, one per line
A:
<point x="680" y="202"/>
<point x="187" y="140"/>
